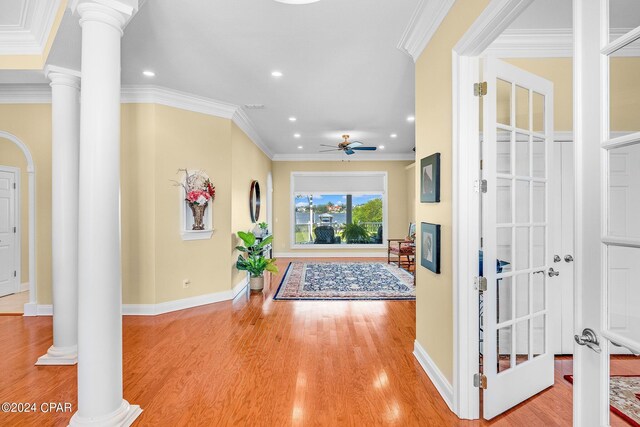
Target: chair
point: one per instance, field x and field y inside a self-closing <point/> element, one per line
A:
<point x="377" y="239"/>
<point x="325" y="235"/>
<point x="403" y="248"/>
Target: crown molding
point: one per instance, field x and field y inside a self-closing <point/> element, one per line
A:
<point x="241" y="119"/>
<point x="177" y="99"/>
<point x="30" y="36"/>
<point x="25" y="94"/>
<point x="545" y="43"/>
<point x="423" y="24"/>
<point x="359" y="157"/>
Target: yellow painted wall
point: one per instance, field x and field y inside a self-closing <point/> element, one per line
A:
<point x="248" y="163"/>
<point x="396" y="188"/>
<point x="138" y="202"/>
<point x="191" y="140"/>
<point x="11" y="155"/>
<point x="156" y="142"/>
<point x="434" y="293"/>
<point x="410" y="182"/>
<point x="31" y="123"/>
<point x="625" y="93"/>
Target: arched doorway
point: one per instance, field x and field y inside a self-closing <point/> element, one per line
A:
<point x="30" y="307"/>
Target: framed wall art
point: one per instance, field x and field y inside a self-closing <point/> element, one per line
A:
<point x="430" y="246"/>
<point x="430" y="179"/>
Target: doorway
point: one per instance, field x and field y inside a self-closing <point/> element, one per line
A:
<point x="17" y="224"/>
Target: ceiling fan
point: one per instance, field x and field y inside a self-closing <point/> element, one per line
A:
<point x="348" y="147"/>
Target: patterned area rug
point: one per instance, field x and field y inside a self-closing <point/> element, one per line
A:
<point x="624" y="397"/>
<point x="345" y="281"/>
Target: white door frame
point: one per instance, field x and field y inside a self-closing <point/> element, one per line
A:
<point x="30" y="309"/>
<point x="17" y="211"/>
<point x="496" y="17"/>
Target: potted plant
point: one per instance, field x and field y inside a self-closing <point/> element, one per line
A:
<point x="253" y="261"/>
<point x="261" y="229"/>
<point x="355" y="233"/>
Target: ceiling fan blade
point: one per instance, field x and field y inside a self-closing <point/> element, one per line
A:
<point x="325" y="145"/>
<point x="364" y="148"/>
<point x="326" y="151"/>
<point x="349" y="151"/>
<point x="353" y="144"/>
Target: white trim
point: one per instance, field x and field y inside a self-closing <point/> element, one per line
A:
<point x="359" y="157"/>
<point x="24" y="287"/>
<point x="177" y="99"/>
<point x="25" y="94"/>
<point x="496" y="17"/>
<point x="241" y="119"/>
<point x="33" y="309"/>
<point x="493" y="20"/>
<point x="31" y="36"/>
<point x="332" y="254"/>
<point x="434" y="373"/>
<point x="424" y="23"/>
<point x="544" y="43"/>
<point x="31" y="182"/>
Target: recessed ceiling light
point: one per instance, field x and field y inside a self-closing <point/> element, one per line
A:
<point x="296" y="135"/>
<point x="296" y="1"/>
<point x="149" y="73"/>
<point x="276" y="73"/>
<point x="393" y="135"/>
<point x="411" y="119"/>
<point x="299" y="147"/>
<point x="381" y="147"/>
<point x="292" y="119"/>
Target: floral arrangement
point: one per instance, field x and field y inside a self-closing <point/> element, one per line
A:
<point x="198" y="188"/>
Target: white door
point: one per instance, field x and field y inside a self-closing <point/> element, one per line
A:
<point x="8" y="241"/>
<point x="608" y="194"/>
<point x="518" y="124"/>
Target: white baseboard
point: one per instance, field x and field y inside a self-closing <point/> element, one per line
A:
<point x="32" y="309"/>
<point x="332" y="254"/>
<point x="24" y="287"/>
<point x="435" y="374"/>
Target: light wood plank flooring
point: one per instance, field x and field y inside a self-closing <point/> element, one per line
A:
<point x="259" y="362"/>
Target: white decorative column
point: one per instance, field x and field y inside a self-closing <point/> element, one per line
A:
<point x="100" y="398"/>
<point x="65" y="106"/>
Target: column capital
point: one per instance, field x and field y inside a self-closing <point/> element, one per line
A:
<point x="116" y="13"/>
<point x="62" y="76"/>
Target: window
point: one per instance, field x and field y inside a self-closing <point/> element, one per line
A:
<point x="338" y="209"/>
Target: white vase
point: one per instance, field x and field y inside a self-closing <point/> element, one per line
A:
<point x="256" y="283"/>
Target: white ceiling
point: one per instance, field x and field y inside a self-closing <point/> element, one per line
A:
<point x="25" y="25"/>
<point x="342" y="69"/>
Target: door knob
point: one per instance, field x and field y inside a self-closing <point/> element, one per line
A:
<point x="556" y="258"/>
<point x="588" y="338"/>
<point x="553" y="273"/>
<point x="568" y="258"/>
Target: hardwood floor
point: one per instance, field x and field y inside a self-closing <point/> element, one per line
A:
<point x="259" y="362"/>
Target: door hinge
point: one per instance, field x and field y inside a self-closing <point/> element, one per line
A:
<point x="480" y="381"/>
<point x="480" y="186"/>
<point x="480" y="164"/>
<point x="481" y="283"/>
<point x="15" y="273"/>
<point x="480" y="89"/>
<point x="14" y="230"/>
<point x="14" y="186"/>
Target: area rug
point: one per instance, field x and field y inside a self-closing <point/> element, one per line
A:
<point x="345" y="281"/>
<point x="624" y="397"/>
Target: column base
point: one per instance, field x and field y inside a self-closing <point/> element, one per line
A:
<point x="124" y="416"/>
<point x="59" y="356"/>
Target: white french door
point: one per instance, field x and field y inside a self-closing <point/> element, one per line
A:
<point x="9" y="282"/>
<point x="516" y="219"/>
<point x="607" y="121"/>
